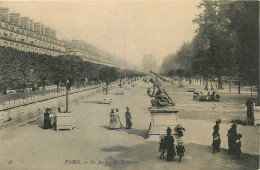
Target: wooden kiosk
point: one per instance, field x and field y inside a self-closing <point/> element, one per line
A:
<point x="161" y="118"/>
<point x="65" y="121"/>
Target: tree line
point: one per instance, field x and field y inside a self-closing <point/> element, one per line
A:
<point x="226" y="44"/>
<point x="20" y="70"/>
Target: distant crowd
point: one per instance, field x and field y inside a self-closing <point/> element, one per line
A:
<point x="214" y="96"/>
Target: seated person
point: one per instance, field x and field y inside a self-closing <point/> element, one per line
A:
<point x="217" y="97"/>
<point x="208" y="96"/>
<point x="213" y="96"/>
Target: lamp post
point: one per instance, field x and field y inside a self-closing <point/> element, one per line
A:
<point x="68" y="84"/>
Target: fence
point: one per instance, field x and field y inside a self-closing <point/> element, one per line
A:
<point x="50" y="94"/>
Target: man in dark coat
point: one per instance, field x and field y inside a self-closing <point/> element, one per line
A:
<point x="216" y="137"/>
<point x="232" y="136"/>
<point x="169" y="145"/>
<point x="249" y="105"/>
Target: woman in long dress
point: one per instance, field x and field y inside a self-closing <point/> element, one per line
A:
<point x="112" y="119"/>
<point x="114" y="122"/>
<point x="169" y="144"/>
<point x="128" y="119"/>
<point x="118" y="123"/>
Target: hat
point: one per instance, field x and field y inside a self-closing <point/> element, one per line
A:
<point x="218" y="121"/>
<point x="169" y="130"/>
<point x="112" y="110"/>
<point x="127" y="107"/>
<point x="234" y="125"/>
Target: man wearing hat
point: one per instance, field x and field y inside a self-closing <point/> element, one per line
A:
<point x="249" y="105"/>
<point x="232" y="136"/>
<point x="169" y="145"/>
<point x="128" y="118"/>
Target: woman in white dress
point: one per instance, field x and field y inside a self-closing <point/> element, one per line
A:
<point x="115" y="122"/>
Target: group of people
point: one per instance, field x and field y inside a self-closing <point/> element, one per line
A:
<point x="167" y="144"/>
<point x="214" y="96"/>
<point x="234" y="140"/>
<point x="115" y="122"/>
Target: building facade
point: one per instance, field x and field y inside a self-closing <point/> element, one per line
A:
<point x="149" y="64"/>
<point x="92" y="54"/>
<point x="23" y="34"/>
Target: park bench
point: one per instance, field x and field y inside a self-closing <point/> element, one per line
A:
<point x="180" y="85"/>
<point x="190" y="89"/>
<point x="119" y="93"/>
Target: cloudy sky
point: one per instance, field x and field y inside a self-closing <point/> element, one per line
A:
<point x="127" y="29"/>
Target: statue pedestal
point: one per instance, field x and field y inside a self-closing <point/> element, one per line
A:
<point x="161" y="118"/>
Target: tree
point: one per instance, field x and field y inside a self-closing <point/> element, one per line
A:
<point x="107" y="75"/>
<point x="213" y="30"/>
<point x="169" y="64"/>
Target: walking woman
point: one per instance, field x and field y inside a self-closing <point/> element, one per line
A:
<point x="169" y="144"/>
<point x="128" y="118"/>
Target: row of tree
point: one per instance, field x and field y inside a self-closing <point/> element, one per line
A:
<point x="19" y="69"/>
<point x="226" y="44"/>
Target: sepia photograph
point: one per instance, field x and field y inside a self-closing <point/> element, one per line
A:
<point x="129" y="84"/>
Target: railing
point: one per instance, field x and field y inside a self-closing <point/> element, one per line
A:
<point x="51" y="94"/>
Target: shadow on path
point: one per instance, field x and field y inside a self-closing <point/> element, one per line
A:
<point x="146" y="156"/>
<point x="139" y="132"/>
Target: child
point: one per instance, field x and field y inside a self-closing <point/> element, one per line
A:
<point x="162" y="146"/>
<point x="216" y="141"/>
<point x="180" y="149"/>
<point x="237" y="146"/>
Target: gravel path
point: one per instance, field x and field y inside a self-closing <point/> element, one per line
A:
<point x="92" y="146"/>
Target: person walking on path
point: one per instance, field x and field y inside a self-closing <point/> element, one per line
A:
<point x="232" y="136"/>
<point x="249" y="105"/>
<point x="216" y="137"/>
<point x="180" y="148"/>
<point x="169" y="145"/>
<point x="117" y="119"/>
<point x="237" y="147"/>
<point x="162" y="146"/>
<point x="115" y="122"/>
<point x="112" y="119"/>
<point x="128" y="118"/>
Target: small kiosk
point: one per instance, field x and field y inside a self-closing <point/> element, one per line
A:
<point x="65" y="121"/>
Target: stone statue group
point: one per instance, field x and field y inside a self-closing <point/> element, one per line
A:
<point x="159" y="94"/>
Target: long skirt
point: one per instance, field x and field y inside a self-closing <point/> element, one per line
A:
<point x="170" y="153"/>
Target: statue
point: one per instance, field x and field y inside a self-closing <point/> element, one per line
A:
<point x="161" y="98"/>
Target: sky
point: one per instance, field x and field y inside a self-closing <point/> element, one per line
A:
<point x="127" y="29"/>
